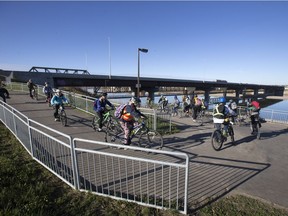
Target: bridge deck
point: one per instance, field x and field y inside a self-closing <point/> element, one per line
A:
<point x="255" y="167"/>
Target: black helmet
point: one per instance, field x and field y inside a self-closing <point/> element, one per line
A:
<point x="103" y="94"/>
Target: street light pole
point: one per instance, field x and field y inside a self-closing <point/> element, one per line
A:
<point x="138" y="77"/>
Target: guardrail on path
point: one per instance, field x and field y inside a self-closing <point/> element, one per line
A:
<point x="159" y="179"/>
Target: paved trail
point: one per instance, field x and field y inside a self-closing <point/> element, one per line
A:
<point x="255" y="167"/>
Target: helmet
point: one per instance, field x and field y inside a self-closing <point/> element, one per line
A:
<point x="222" y="100"/>
<point x="58" y="92"/>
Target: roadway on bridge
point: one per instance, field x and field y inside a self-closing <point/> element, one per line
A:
<point x="254" y="167"/>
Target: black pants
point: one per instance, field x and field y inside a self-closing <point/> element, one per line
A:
<point x="196" y="109"/>
<point x="100" y="115"/>
<point x="57" y="106"/>
<point x="3" y="96"/>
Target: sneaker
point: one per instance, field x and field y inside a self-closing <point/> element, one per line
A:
<point x="57" y="119"/>
<point x="194" y="120"/>
<point x="99" y="129"/>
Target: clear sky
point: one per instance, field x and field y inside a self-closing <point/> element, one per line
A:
<point x="241" y="41"/>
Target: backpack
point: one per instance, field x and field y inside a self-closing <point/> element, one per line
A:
<point x="255" y="104"/>
<point x="119" y="111"/>
<point x="95" y="105"/>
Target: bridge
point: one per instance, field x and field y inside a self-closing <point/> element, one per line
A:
<point x="250" y="166"/>
<point x="61" y="77"/>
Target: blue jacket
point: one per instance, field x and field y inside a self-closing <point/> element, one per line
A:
<point x="99" y="106"/>
<point x="58" y="100"/>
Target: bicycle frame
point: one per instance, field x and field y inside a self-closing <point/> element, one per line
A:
<point x="217" y="138"/>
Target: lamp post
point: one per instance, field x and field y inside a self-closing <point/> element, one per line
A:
<point x="138" y="78"/>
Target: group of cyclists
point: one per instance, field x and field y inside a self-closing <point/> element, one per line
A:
<point x="55" y="98"/>
<point x="223" y="112"/>
<point x="128" y="116"/>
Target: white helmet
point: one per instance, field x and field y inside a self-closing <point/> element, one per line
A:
<point x="58" y="91"/>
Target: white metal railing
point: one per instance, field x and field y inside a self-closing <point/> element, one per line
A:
<point x="158" y="180"/>
<point x="270" y="115"/>
<point x="85" y="103"/>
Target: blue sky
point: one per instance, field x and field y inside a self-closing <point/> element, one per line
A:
<point x="238" y="41"/>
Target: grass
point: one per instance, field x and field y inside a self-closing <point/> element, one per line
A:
<point x="29" y="189"/>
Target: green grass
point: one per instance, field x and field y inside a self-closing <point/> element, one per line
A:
<point x="29" y="189"/>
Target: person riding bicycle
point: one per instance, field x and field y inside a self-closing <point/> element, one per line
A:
<point x="47" y="90"/>
<point x="57" y="100"/>
<point x="127" y="119"/>
<point x="4" y="93"/>
<point x="196" y="104"/>
<point x="254" y="109"/>
<point x="163" y="102"/>
<point x="186" y="104"/>
<point x="176" y="105"/>
<point x="99" y="108"/>
<point x="220" y="115"/>
<point x="31" y="86"/>
<point x="232" y="106"/>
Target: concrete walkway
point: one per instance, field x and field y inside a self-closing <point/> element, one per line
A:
<point x="250" y="166"/>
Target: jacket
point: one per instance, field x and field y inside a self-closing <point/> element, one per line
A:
<point x="58" y="100"/>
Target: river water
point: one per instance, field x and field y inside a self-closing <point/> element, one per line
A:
<point x="277" y="106"/>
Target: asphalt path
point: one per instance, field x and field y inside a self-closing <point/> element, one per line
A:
<point x="250" y="166"/>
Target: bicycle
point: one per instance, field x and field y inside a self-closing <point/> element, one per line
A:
<point x="62" y="115"/>
<point x="34" y="94"/>
<point x="255" y="125"/>
<point x="108" y="120"/>
<point x="201" y="117"/>
<point x="147" y="138"/>
<point x="218" y="138"/>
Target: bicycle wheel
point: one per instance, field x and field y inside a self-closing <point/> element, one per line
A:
<point x="63" y="118"/>
<point x="95" y="122"/>
<point x="151" y="139"/>
<point x="216" y="140"/>
<point x="199" y="119"/>
<point x="115" y="135"/>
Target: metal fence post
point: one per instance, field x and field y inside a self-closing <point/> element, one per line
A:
<point x="155" y="120"/>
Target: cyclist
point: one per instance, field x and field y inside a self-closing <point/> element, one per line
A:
<point x="196" y="104"/>
<point x="149" y="102"/>
<point x="2" y="84"/>
<point x="99" y="108"/>
<point x="176" y="105"/>
<point x="163" y="102"/>
<point x="127" y="119"/>
<point x="186" y="104"/>
<point x="57" y="100"/>
<point x="31" y="87"/>
<point x="232" y="106"/>
<point x="220" y="114"/>
<point x="4" y="93"/>
<point x="254" y="108"/>
<point x="47" y="90"/>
